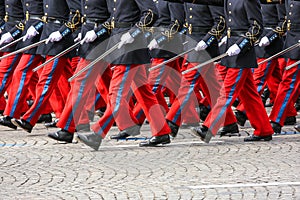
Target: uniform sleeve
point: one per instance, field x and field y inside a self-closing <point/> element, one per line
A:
<point x="177" y="21"/>
<point x="148" y="16"/>
<point x="219" y="26"/>
<point x="281" y="27"/>
<point x="2" y="12"/>
<point x="105" y="27"/>
<point x="74" y="20"/>
<point x="254" y="17"/>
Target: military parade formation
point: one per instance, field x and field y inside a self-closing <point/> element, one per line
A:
<point x="169" y="63"/>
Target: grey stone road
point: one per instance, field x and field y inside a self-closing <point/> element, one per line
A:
<point x="33" y="166"/>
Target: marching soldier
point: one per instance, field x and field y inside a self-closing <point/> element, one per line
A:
<point x="2" y="25"/>
<point x="288" y="90"/>
<point x="11" y="30"/>
<point x="271" y="43"/>
<point x="166" y="43"/>
<point x="130" y="18"/>
<point x="94" y="33"/>
<point x="62" y="19"/>
<point x="244" y="27"/>
<point x="23" y="75"/>
<point x="205" y="26"/>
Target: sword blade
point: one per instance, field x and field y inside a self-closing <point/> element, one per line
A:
<point x="94" y="62"/>
<point x="205" y="63"/>
<point x="57" y="56"/>
<point x="23" y="49"/>
<point x="280" y="53"/>
<point x="12" y="43"/>
<point x="292" y="65"/>
<point x="170" y="60"/>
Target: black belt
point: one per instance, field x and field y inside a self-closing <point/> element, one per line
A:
<point x="12" y="19"/>
<point x="34" y="17"/>
<point x="160" y="29"/>
<point x="56" y="21"/>
<point x="236" y="33"/>
<point x="198" y="29"/>
<point x="122" y="24"/>
<point x="293" y="27"/>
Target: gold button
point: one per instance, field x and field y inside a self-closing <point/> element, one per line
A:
<point x="27" y="4"/>
<point x="229" y="20"/>
<point x="229" y="12"/>
<point x="6" y="6"/>
<point x="229" y="3"/>
<point x="47" y="5"/>
<point x="292" y="5"/>
<point x="290" y="13"/>
<point x="46" y="13"/>
<point x="191" y="8"/>
<point x="85" y="7"/>
<point x="114" y="9"/>
<point x="191" y="17"/>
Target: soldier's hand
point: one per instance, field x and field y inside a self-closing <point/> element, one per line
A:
<point x="78" y="38"/>
<point x="54" y="37"/>
<point x="201" y="46"/>
<point x="31" y="32"/>
<point x="233" y="50"/>
<point x="126" y="38"/>
<point x="153" y="45"/>
<point x="6" y="38"/>
<point x="223" y="41"/>
<point x="264" y="42"/>
<point x="90" y="36"/>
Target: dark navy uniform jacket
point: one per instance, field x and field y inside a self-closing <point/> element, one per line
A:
<point x="244" y="27"/>
<point x="63" y="16"/>
<point x="95" y="14"/>
<point x="293" y="28"/>
<point x="13" y="17"/>
<point x="2" y="14"/>
<point x="167" y="29"/>
<point x="135" y="16"/>
<point x="274" y="28"/>
<point x="204" y="22"/>
<point x="33" y="13"/>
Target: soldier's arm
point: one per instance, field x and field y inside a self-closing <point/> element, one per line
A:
<point x="2" y="12"/>
<point x="177" y="21"/>
<point x="149" y="14"/>
<point x="281" y="27"/>
<point x="74" y="20"/>
<point x="255" y="29"/>
<point x="219" y="26"/>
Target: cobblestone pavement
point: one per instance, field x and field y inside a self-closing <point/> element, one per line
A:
<point x="33" y="166"/>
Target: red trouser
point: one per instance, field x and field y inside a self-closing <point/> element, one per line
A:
<point x="79" y="95"/>
<point x="239" y="82"/>
<point x="124" y="77"/>
<point x="7" y="67"/>
<point x="157" y="80"/>
<point x="287" y="94"/>
<point x="48" y="80"/>
<point x="186" y="97"/>
<point x="23" y="77"/>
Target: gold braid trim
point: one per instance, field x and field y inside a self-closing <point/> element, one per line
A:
<point x="76" y="19"/>
<point x="252" y="36"/>
<point x="172" y="31"/>
<point x="148" y="19"/>
<point x="20" y="26"/>
<point x="107" y="25"/>
<point x="218" y="31"/>
<point x="281" y="30"/>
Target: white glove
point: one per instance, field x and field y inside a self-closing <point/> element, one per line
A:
<point x="6" y="38"/>
<point x="31" y="32"/>
<point x="264" y="41"/>
<point x="153" y="45"/>
<point x="233" y="50"/>
<point x="223" y="41"/>
<point x="78" y="38"/>
<point x="126" y="38"/>
<point x="201" y="46"/>
<point x="54" y="37"/>
<point x="90" y="36"/>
